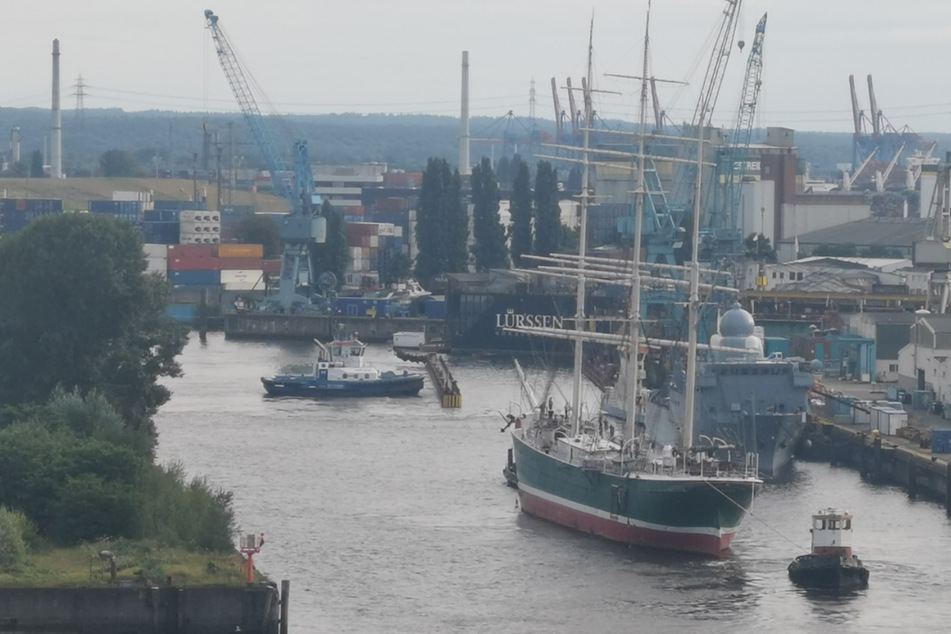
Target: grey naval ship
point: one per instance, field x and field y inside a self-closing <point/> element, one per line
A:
<point x="745" y="399"/>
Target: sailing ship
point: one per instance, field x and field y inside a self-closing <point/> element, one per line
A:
<point x="622" y="484"/>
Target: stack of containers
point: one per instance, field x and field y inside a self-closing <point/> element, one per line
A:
<point x="363" y="243"/>
<point x="156" y="258"/>
<point x="354" y="214"/>
<point x="193" y="267"/>
<point x="199" y="227"/>
<point x="130" y="210"/>
<point x="17" y="213"/>
<point x="242" y="267"/>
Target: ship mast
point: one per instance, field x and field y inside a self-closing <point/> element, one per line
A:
<point x="582" y="243"/>
<point x="634" y="310"/>
<point x="694" y="301"/>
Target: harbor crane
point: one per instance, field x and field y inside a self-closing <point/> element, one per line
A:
<point x="723" y="221"/>
<point x="302" y="227"/>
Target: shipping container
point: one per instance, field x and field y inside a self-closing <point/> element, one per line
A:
<point x="166" y="233"/>
<point x="200" y="215"/>
<point x="176" y="205"/>
<point x="208" y="239"/>
<point x="183" y="313"/>
<point x="42" y="205"/>
<point x="191" y="251"/>
<point x="241" y="251"/>
<point x="238" y="264"/>
<point x="193" y="277"/>
<point x="155" y="250"/>
<point x="435" y="309"/>
<point x="271" y="267"/>
<point x="941" y="441"/>
<point x="183" y="263"/>
<point x="242" y="280"/>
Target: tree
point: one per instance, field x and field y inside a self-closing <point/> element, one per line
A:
<point x="757" y="247"/>
<point x="118" y="164"/>
<point x="489" y="248"/>
<point x="430" y="222"/>
<point x="548" y="227"/>
<point x="442" y="226"/>
<point x="255" y="229"/>
<point x="521" y="210"/>
<point x="457" y="226"/>
<point x="395" y="267"/>
<point x="80" y="313"/>
<point x="332" y="255"/>
<point x="36" y="165"/>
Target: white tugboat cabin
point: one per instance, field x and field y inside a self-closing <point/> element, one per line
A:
<point x="832" y="533"/>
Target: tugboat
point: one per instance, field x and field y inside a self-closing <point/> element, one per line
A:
<point x="831" y="564"/>
<point x="340" y="371"/>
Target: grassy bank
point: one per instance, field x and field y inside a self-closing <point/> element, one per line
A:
<point x="136" y="562"/>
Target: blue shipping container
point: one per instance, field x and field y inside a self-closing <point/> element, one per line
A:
<point x="435" y="309"/>
<point x="182" y="313"/>
<point x="195" y="278"/>
<point x="941" y="441"/>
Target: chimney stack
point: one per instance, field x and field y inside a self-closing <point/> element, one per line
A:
<point x="56" y="138"/>
<point x="465" y="167"/>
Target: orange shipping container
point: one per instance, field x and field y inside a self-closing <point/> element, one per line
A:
<point x="241" y="251"/>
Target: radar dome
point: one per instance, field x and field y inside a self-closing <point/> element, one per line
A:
<point x="736" y="322"/>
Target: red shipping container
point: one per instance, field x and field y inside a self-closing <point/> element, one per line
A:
<point x="191" y="251"/>
<point x="358" y="241"/>
<point x="177" y="262"/>
<point x="271" y="267"/>
<point x="239" y="264"/>
<point x="354" y="210"/>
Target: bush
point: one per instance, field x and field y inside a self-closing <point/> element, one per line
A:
<point x="15" y="532"/>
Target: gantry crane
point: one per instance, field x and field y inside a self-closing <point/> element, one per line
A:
<point x="301" y="227"/>
<point x="723" y="219"/>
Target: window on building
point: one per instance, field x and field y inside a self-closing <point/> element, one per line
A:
<point x="774" y="275"/>
<point x="893" y="367"/>
<point x="782" y="275"/>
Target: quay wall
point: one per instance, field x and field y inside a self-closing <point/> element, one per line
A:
<point x="141" y="610"/>
<point x="880" y="459"/>
<point x="323" y="327"/>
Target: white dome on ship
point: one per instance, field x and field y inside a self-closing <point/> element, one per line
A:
<point x="736" y="322"/>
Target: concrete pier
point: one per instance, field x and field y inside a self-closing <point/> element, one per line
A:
<point x="880" y="459"/>
<point x="141" y="610"/>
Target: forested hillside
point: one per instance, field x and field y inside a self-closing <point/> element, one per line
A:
<point x="173" y="140"/>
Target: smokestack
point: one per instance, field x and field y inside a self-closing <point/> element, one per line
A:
<point x="465" y="167"/>
<point x="56" y="139"/>
<point x="15" y="144"/>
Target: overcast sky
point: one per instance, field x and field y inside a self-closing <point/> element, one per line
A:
<point x="403" y="56"/>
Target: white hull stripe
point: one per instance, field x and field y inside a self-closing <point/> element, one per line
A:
<point x="621" y="519"/>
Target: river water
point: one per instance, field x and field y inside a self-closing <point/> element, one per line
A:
<point x="391" y="515"/>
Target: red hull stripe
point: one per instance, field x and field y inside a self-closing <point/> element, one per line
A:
<point x="623" y="529"/>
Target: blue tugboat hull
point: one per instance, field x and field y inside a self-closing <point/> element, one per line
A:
<point x="305" y="386"/>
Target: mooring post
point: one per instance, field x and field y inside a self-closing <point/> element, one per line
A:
<point x="203" y="316"/>
<point x="912" y="478"/>
<point x="285" y="601"/>
<point x="878" y="459"/>
<point x="947" y="488"/>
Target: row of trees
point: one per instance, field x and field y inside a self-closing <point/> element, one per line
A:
<point x="84" y="339"/>
<point x="442" y="228"/>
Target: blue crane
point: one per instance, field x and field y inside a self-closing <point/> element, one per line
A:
<point x="301" y="227"/>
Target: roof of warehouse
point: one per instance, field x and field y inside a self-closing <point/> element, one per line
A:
<point x="887" y="232"/>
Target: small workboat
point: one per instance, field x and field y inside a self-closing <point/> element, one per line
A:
<point x="340" y="371"/>
<point x="831" y="564"/>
